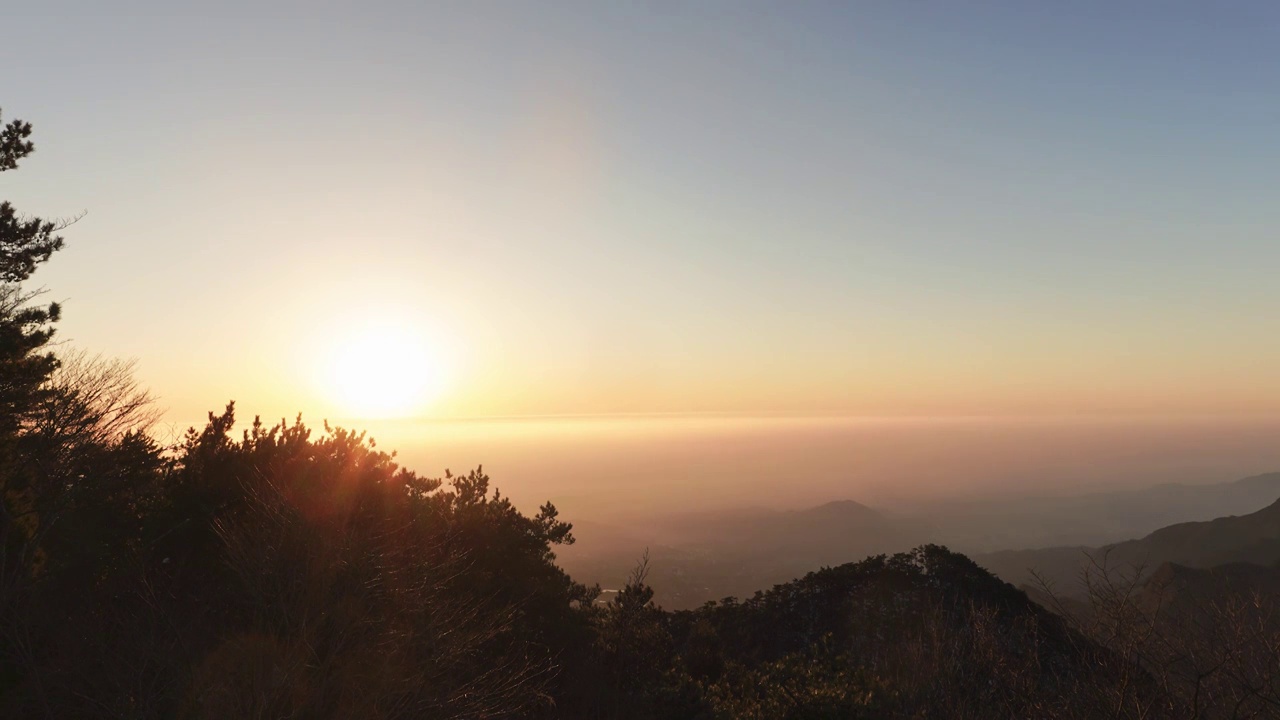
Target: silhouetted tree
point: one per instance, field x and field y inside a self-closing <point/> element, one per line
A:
<point x="78" y="473"/>
<point x="25" y="242"/>
<point x="281" y="574"/>
<point x="25" y="368"/>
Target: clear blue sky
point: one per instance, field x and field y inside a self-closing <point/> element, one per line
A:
<point x="891" y="207"/>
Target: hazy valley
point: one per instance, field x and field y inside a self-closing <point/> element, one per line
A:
<point x="701" y="556"/>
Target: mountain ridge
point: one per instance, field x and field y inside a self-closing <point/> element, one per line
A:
<point x="1252" y="538"/>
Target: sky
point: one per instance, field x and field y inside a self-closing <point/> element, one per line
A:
<point x="865" y="209"/>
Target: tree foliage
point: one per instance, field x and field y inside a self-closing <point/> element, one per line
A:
<point x="24" y="242"/>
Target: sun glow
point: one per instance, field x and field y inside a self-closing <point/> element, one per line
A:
<point x="383" y="370"/>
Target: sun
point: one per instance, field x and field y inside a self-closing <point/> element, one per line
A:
<point x="383" y="369"/>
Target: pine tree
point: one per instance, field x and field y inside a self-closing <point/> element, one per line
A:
<point x="25" y="329"/>
<point x="26" y="367"/>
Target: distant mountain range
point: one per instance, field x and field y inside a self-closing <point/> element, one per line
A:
<point x="1252" y="538"/>
<point x="1093" y="519"/>
<point x="698" y="557"/>
<point x="709" y="555"/>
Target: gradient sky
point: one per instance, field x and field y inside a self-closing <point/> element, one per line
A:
<point x="929" y="208"/>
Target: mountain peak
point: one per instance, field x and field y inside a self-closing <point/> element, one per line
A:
<point x="841" y="508"/>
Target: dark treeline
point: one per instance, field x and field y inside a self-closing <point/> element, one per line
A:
<point x="277" y="572"/>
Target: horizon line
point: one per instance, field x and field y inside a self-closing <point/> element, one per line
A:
<point x="788" y="415"/>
